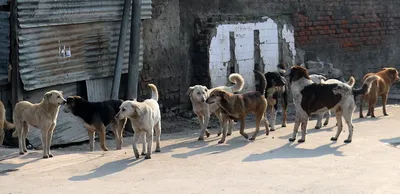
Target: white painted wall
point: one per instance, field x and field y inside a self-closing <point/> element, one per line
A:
<point x="244" y="38"/>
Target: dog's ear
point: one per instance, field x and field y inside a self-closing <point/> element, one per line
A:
<point x="47" y="95"/>
<point x="190" y="90"/>
<point x="205" y="89"/>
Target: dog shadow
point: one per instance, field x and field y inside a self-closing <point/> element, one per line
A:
<point x="229" y="145"/>
<point x="395" y="142"/>
<point x="289" y="150"/>
<point x="190" y="143"/>
<point x="108" y="169"/>
<point x="5" y="168"/>
<point x="310" y="131"/>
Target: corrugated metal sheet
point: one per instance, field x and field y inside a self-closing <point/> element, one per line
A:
<point x="99" y="89"/>
<point x="90" y="28"/>
<point x="4" y="46"/>
<point x="69" y="129"/>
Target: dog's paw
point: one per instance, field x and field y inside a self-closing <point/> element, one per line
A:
<point x="326" y="123"/>
<point x="21" y="153"/>
<point x="269" y="125"/>
<point x="207" y="133"/>
<point x="51" y="155"/>
<point x="347" y="141"/>
<point x="143" y="153"/>
<point x="333" y="139"/>
<point x="158" y="150"/>
<point x="228" y="134"/>
<point x="301" y="140"/>
<point x="25" y="150"/>
<point x="45" y="156"/>
<point x="368" y="114"/>
<point x="283" y="125"/>
<point x="292" y="139"/>
<point x="317" y="127"/>
<point x="245" y="136"/>
<point x="361" y="116"/>
<point x="200" y="138"/>
<point x="271" y="129"/>
<point x="386" y="114"/>
<point x="221" y="142"/>
<point x="252" y="139"/>
<point x="147" y="157"/>
<point x="373" y="116"/>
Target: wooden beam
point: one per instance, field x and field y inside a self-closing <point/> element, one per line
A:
<point x="16" y="90"/>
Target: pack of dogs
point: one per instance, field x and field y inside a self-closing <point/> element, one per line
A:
<point x="312" y="95"/>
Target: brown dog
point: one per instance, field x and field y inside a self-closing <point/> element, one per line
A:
<point x="4" y="124"/>
<point x="238" y="106"/>
<point x="386" y="77"/>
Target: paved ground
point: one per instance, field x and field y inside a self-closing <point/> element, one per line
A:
<point x="268" y="165"/>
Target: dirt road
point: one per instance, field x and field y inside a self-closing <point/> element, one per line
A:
<point x="268" y="165"/>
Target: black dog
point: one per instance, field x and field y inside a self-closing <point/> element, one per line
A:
<point x="97" y="116"/>
<point x="277" y="90"/>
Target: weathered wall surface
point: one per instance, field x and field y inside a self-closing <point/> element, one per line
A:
<point x="356" y="36"/>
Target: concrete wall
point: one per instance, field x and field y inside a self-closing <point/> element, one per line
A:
<point x="356" y="36"/>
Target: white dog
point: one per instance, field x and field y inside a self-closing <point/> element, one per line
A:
<point x="198" y="95"/>
<point x="41" y="115"/>
<point x="144" y="116"/>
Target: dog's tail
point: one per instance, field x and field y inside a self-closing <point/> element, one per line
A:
<point x="238" y="80"/>
<point x="8" y="125"/>
<point x="366" y="86"/>
<point x="154" y="92"/>
<point x="263" y="82"/>
<point x="351" y="81"/>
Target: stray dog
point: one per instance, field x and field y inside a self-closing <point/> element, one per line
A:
<point x="276" y="88"/>
<point x="319" y="79"/>
<point x="4" y="124"/>
<point x="198" y="95"/>
<point x="145" y="117"/>
<point x="41" y="115"/>
<point x="96" y="117"/>
<point x="386" y="77"/>
<point x="310" y="98"/>
<point x="238" y="106"/>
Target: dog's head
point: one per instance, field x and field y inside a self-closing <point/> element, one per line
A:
<point x="275" y="79"/>
<point x="72" y="102"/>
<point x="128" y="109"/>
<point x="216" y="96"/>
<point x="197" y="93"/>
<point x="392" y="73"/>
<point x="298" y="72"/>
<point x="55" y="97"/>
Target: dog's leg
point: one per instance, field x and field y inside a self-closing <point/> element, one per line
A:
<point x="319" y="120"/>
<point x="372" y="104"/>
<point x="284" y="107"/>
<point x="149" y="138"/>
<point x="157" y="129"/>
<point x="304" y="121"/>
<point x="102" y="134"/>
<point x="2" y="135"/>
<point x="91" y="139"/>
<point x="259" y="117"/>
<point x="117" y="133"/>
<point x="296" y="127"/>
<point x="384" y="101"/>
<point x="266" y="124"/>
<point x="206" y="120"/>
<point x="242" y="123"/>
<point x="328" y="116"/>
<point x="361" y="106"/>
<point x="45" y="135"/>
<point x="347" y="117"/>
<point x="25" y="130"/>
<point x="230" y="127"/>
<point x="144" y="143"/>
<point x="2" y="132"/>
<point x="338" y="114"/>
<point x="274" y="111"/>
<point x="221" y="123"/>
<point x="18" y="130"/>
<point x="50" y="139"/>
<point x="225" y="121"/>
<point x="203" y="129"/>
<point x="136" y="136"/>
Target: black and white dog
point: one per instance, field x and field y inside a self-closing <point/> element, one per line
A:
<point x="310" y="98"/>
<point x="276" y="91"/>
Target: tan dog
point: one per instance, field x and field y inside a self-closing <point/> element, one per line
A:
<point x="41" y="115"/>
<point x="144" y="116"/>
<point x="198" y="95"/>
<point x="386" y="77"/>
<point x="238" y="106"/>
<point x="4" y="124"/>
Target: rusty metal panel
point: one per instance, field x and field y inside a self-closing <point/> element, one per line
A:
<point x="89" y="29"/>
<point x="4" y="46"/>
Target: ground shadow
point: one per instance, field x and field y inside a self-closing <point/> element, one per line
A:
<point x="5" y="168"/>
<point x="230" y="144"/>
<point x="108" y="169"/>
<point x="395" y="142"/>
<point x="289" y="150"/>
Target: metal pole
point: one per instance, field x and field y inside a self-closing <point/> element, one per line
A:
<point x="134" y="49"/>
<point x="120" y="52"/>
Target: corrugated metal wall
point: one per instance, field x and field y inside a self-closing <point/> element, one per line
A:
<point x="4" y="43"/>
<point x="90" y="28"/>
